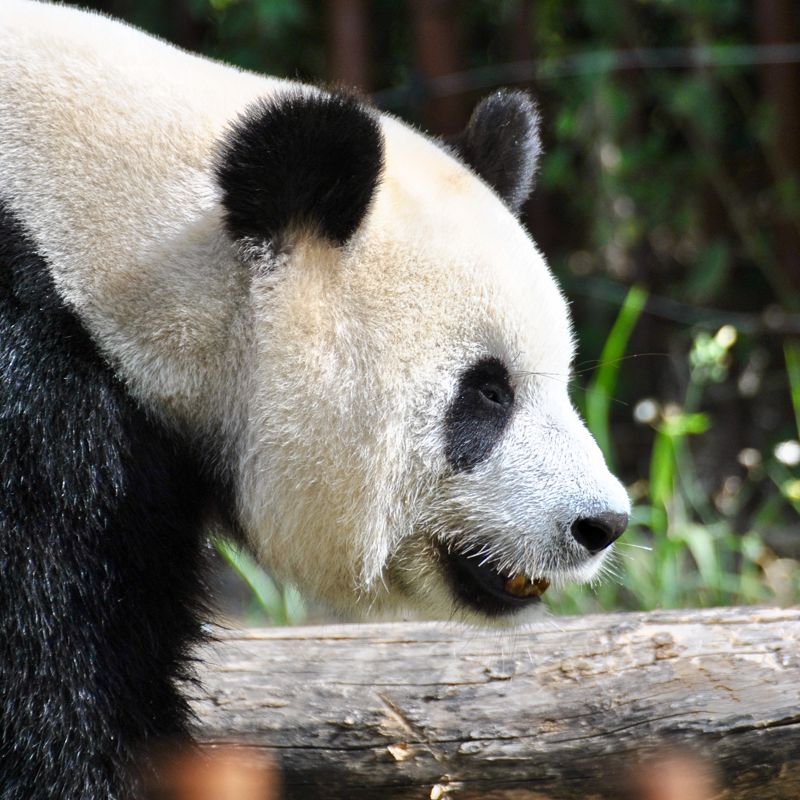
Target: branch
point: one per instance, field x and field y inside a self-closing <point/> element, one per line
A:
<point x="426" y="710"/>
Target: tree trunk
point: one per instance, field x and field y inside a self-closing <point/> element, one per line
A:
<point x="438" y="52"/>
<point x="348" y="44"/>
<point x="433" y="710"/>
<point x="777" y="23"/>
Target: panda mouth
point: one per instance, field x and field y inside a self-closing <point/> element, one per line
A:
<point x="481" y="586"/>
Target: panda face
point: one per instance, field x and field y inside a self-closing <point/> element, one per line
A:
<point x="541" y="508"/>
<point x="412" y="439"/>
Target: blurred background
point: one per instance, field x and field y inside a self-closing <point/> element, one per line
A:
<point x="668" y="205"/>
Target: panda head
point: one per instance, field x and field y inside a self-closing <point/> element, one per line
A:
<point x="405" y="434"/>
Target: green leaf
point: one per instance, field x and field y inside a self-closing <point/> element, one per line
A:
<point x="601" y="389"/>
<point x="703" y="547"/>
<point x="282" y="605"/>
<point x="710" y="271"/>
<point x="791" y="350"/>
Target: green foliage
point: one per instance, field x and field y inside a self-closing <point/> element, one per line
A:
<point x="281" y="605"/>
<point x="682" y="547"/>
<point x="791" y="350"/>
<point x="601" y="389"/>
<point x="712" y="271"/>
<point x="275" y="36"/>
<point x="670" y="172"/>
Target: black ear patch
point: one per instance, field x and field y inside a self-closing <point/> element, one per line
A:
<point x="300" y="158"/>
<point x="501" y="144"/>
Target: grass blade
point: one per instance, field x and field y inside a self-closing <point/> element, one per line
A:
<point x="601" y="389"/>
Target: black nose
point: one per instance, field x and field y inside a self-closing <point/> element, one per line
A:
<point x="597" y="533"/>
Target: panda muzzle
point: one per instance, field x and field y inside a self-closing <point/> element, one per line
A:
<point x="479" y="584"/>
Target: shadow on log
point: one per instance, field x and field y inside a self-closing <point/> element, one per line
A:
<point x="427" y="710"/>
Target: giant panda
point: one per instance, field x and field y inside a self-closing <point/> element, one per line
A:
<point x="230" y="298"/>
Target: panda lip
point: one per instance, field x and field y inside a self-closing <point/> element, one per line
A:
<point x="480" y="585"/>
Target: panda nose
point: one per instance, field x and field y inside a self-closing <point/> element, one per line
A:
<point x="597" y="533"/>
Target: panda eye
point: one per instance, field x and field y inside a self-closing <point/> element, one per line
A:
<point x="478" y="414"/>
<point x="495" y="394"/>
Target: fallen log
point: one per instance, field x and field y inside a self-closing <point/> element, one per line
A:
<point x="422" y="710"/>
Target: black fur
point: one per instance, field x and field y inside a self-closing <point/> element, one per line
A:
<point x="479" y="413"/>
<point x="300" y="158"/>
<point x="501" y="144"/>
<point x="100" y="553"/>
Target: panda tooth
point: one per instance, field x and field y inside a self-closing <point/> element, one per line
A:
<point x="521" y="586"/>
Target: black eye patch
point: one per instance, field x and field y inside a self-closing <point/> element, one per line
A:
<point x="478" y="414"/>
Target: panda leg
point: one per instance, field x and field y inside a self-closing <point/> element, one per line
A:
<point x="100" y="553"/>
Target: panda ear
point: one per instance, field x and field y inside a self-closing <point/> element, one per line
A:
<point x="501" y="144"/>
<point x="300" y="158"/>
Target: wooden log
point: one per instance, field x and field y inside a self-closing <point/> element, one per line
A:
<point x="428" y="710"/>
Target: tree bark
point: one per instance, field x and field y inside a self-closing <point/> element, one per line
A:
<point x="567" y="711"/>
<point x="777" y="23"/>
<point x="437" y="45"/>
<point x="348" y="44"/>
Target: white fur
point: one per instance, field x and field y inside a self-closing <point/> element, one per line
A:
<point x="322" y="384"/>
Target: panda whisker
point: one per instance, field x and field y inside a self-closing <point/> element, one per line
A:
<point x="611" y="568"/>
<point x="598" y="364"/>
<point x="603" y="394"/>
<point x="537" y="373"/>
<point x="595" y="365"/>
<point x="614" y="573"/>
<point x="571" y="382"/>
<point x="593" y="361"/>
